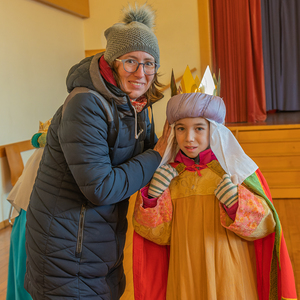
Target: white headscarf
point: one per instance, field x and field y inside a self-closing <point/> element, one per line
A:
<point x="230" y="154"/>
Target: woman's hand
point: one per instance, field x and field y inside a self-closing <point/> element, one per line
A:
<point x="162" y="143"/>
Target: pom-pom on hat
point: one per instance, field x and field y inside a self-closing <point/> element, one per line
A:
<point x="135" y="34"/>
<point x="193" y="105"/>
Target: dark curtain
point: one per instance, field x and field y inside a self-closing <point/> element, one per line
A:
<point x="281" y="51"/>
<point x="237" y="52"/>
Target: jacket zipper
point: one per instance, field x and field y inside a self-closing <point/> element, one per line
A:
<point x="80" y="231"/>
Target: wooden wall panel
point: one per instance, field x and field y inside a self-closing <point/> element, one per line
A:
<point x="204" y="35"/>
<point x="288" y="211"/>
<point x="93" y="52"/>
<point x="78" y="8"/>
<point x="276" y="150"/>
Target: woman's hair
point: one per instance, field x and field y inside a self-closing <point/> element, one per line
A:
<point x="153" y="93"/>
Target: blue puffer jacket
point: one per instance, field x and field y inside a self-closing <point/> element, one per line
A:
<point x="76" y="218"/>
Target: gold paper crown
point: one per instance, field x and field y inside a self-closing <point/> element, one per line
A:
<point x="190" y="85"/>
<point x="43" y="127"/>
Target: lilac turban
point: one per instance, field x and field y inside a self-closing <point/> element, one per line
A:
<point x="195" y="105"/>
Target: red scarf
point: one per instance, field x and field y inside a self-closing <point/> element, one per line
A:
<point x="205" y="157"/>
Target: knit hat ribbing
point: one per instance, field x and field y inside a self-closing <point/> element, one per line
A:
<point x="135" y="34"/>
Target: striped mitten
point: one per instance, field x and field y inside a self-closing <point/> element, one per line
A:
<point x="161" y="180"/>
<point x="226" y="191"/>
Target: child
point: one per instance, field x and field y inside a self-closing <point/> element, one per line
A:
<point x="207" y="228"/>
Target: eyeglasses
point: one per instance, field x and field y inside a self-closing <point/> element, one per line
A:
<point x="131" y="65"/>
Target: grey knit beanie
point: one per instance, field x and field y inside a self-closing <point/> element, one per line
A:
<point x="135" y="34"/>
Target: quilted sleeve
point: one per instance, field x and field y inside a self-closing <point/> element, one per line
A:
<point x="83" y="136"/>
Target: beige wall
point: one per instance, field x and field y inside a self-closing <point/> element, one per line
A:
<point x="38" y="46"/>
<point x="176" y="30"/>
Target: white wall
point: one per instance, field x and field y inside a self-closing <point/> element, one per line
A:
<point x="39" y="44"/>
<point x="176" y="30"/>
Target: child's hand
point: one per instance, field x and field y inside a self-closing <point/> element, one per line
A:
<point x="226" y="191"/>
<point x="161" y="180"/>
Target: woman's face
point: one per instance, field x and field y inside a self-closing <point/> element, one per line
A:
<point x="192" y="135"/>
<point x="135" y="84"/>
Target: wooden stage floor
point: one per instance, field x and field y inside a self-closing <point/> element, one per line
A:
<point x="279" y="118"/>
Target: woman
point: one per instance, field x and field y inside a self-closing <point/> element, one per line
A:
<point x="98" y="153"/>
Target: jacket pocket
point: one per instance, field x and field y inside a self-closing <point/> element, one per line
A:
<point x="80" y="231"/>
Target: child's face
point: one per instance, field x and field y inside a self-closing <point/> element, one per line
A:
<point x="192" y="135"/>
